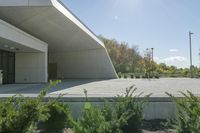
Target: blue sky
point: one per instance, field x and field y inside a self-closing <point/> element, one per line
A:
<point x="161" y="24"/>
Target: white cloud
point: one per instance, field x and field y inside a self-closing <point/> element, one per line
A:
<point x="173" y="50"/>
<point x="178" y="61"/>
<point x="174" y="59"/>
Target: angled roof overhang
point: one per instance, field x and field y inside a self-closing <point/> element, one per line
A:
<point x="51" y="22"/>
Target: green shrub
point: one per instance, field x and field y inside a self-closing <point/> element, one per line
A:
<point x="150" y="76"/>
<point x="156" y="75"/>
<point x="17" y="115"/>
<point x="173" y="75"/>
<point x="125" y="76"/>
<point x="21" y="115"/>
<point x="137" y="76"/>
<point x="111" y="117"/>
<point x="130" y="111"/>
<point x="120" y="75"/>
<point x="188" y="110"/>
<point x="132" y="76"/>
<point x="91" y="120"/>
<point x="143" y="76"/>
<point x="59" y="118"/>
<point x="124" y="116"/>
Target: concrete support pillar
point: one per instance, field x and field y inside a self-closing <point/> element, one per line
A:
<point x="31" y="67"/>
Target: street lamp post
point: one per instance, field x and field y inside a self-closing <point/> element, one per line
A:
<point x="152" y="58"/>
<point x="152" y="53"/>
<point x="190" y="43"/>
<point x="199" y="58"/>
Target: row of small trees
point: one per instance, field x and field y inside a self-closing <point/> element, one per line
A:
<point x="128" y="59"/>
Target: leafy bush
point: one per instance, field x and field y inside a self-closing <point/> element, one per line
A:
<point x="59" y="118"/>
<point x="130" y="110"/>
<point x="111" y="117"/>
<point x="132" y="76"/>
<point x="120" y="75"/>
<point x="91" y="120"/>
<point x="156" y="75"/>
<point x="20" y="114"/>
<point x="145" y="75"/>
<point x="125" y="76"/>
<point x="125" y="116"/>
<point x="188" y="110"/>
<point x="150" y="76"/>
<point x="137" y="76"/>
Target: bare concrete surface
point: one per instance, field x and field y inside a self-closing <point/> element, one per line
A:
<point x="158" y="87"/>
<point x="109" y="88"/>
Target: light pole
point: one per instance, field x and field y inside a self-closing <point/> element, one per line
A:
<point x="199" y="58"/>
<point x="152" y="59"/>
<point x="152" y="53"/>
<point x="190" y="42"/>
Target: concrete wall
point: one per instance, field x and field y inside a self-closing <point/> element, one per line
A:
<point x="155" y="108"/>
<point x="21" y="38"/>
<point x="152" y="110"/>
<point x="83" y="64"/>
<point x="25" y="2"/>
<point x="31" y="67"/>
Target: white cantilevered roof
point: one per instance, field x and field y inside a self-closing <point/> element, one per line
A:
<point x="51" y="22"/>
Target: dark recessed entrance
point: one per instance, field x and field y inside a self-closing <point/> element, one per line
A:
<point x="52" y="71"/>
<point x="7" y="64"/>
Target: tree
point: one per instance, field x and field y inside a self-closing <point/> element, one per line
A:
<point x="125" y="59"/>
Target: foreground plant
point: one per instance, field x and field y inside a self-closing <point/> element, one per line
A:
<point x="20" y="114"/>
<point x="59" y="118"/>
<point x="129" y="110"/>
<point x="125" y="115"/>
<point x="188" y="114"/>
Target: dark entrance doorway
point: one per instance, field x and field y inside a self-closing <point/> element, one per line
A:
<point x="52" y="71"/>
<point x="7" y="64"/>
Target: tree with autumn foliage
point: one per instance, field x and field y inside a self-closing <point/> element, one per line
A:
<point x="125" y="58"/>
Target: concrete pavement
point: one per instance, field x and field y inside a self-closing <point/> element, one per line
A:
<point x="109" y="88"/>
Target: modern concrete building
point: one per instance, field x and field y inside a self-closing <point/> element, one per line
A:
<point x="42" y="39"/>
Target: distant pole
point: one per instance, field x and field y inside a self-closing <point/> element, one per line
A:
<point x="190" y="42"/>
<point x="152" y="53"/>
<point x="152" y="58"/>
<point x="199" y="58"/>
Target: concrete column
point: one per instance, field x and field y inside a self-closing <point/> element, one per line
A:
<point x="31" y="67"/>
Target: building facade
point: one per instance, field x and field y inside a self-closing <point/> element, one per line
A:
<point x="42" y="39"/>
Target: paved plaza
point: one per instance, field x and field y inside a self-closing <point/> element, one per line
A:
<point x="109" y="88"/>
